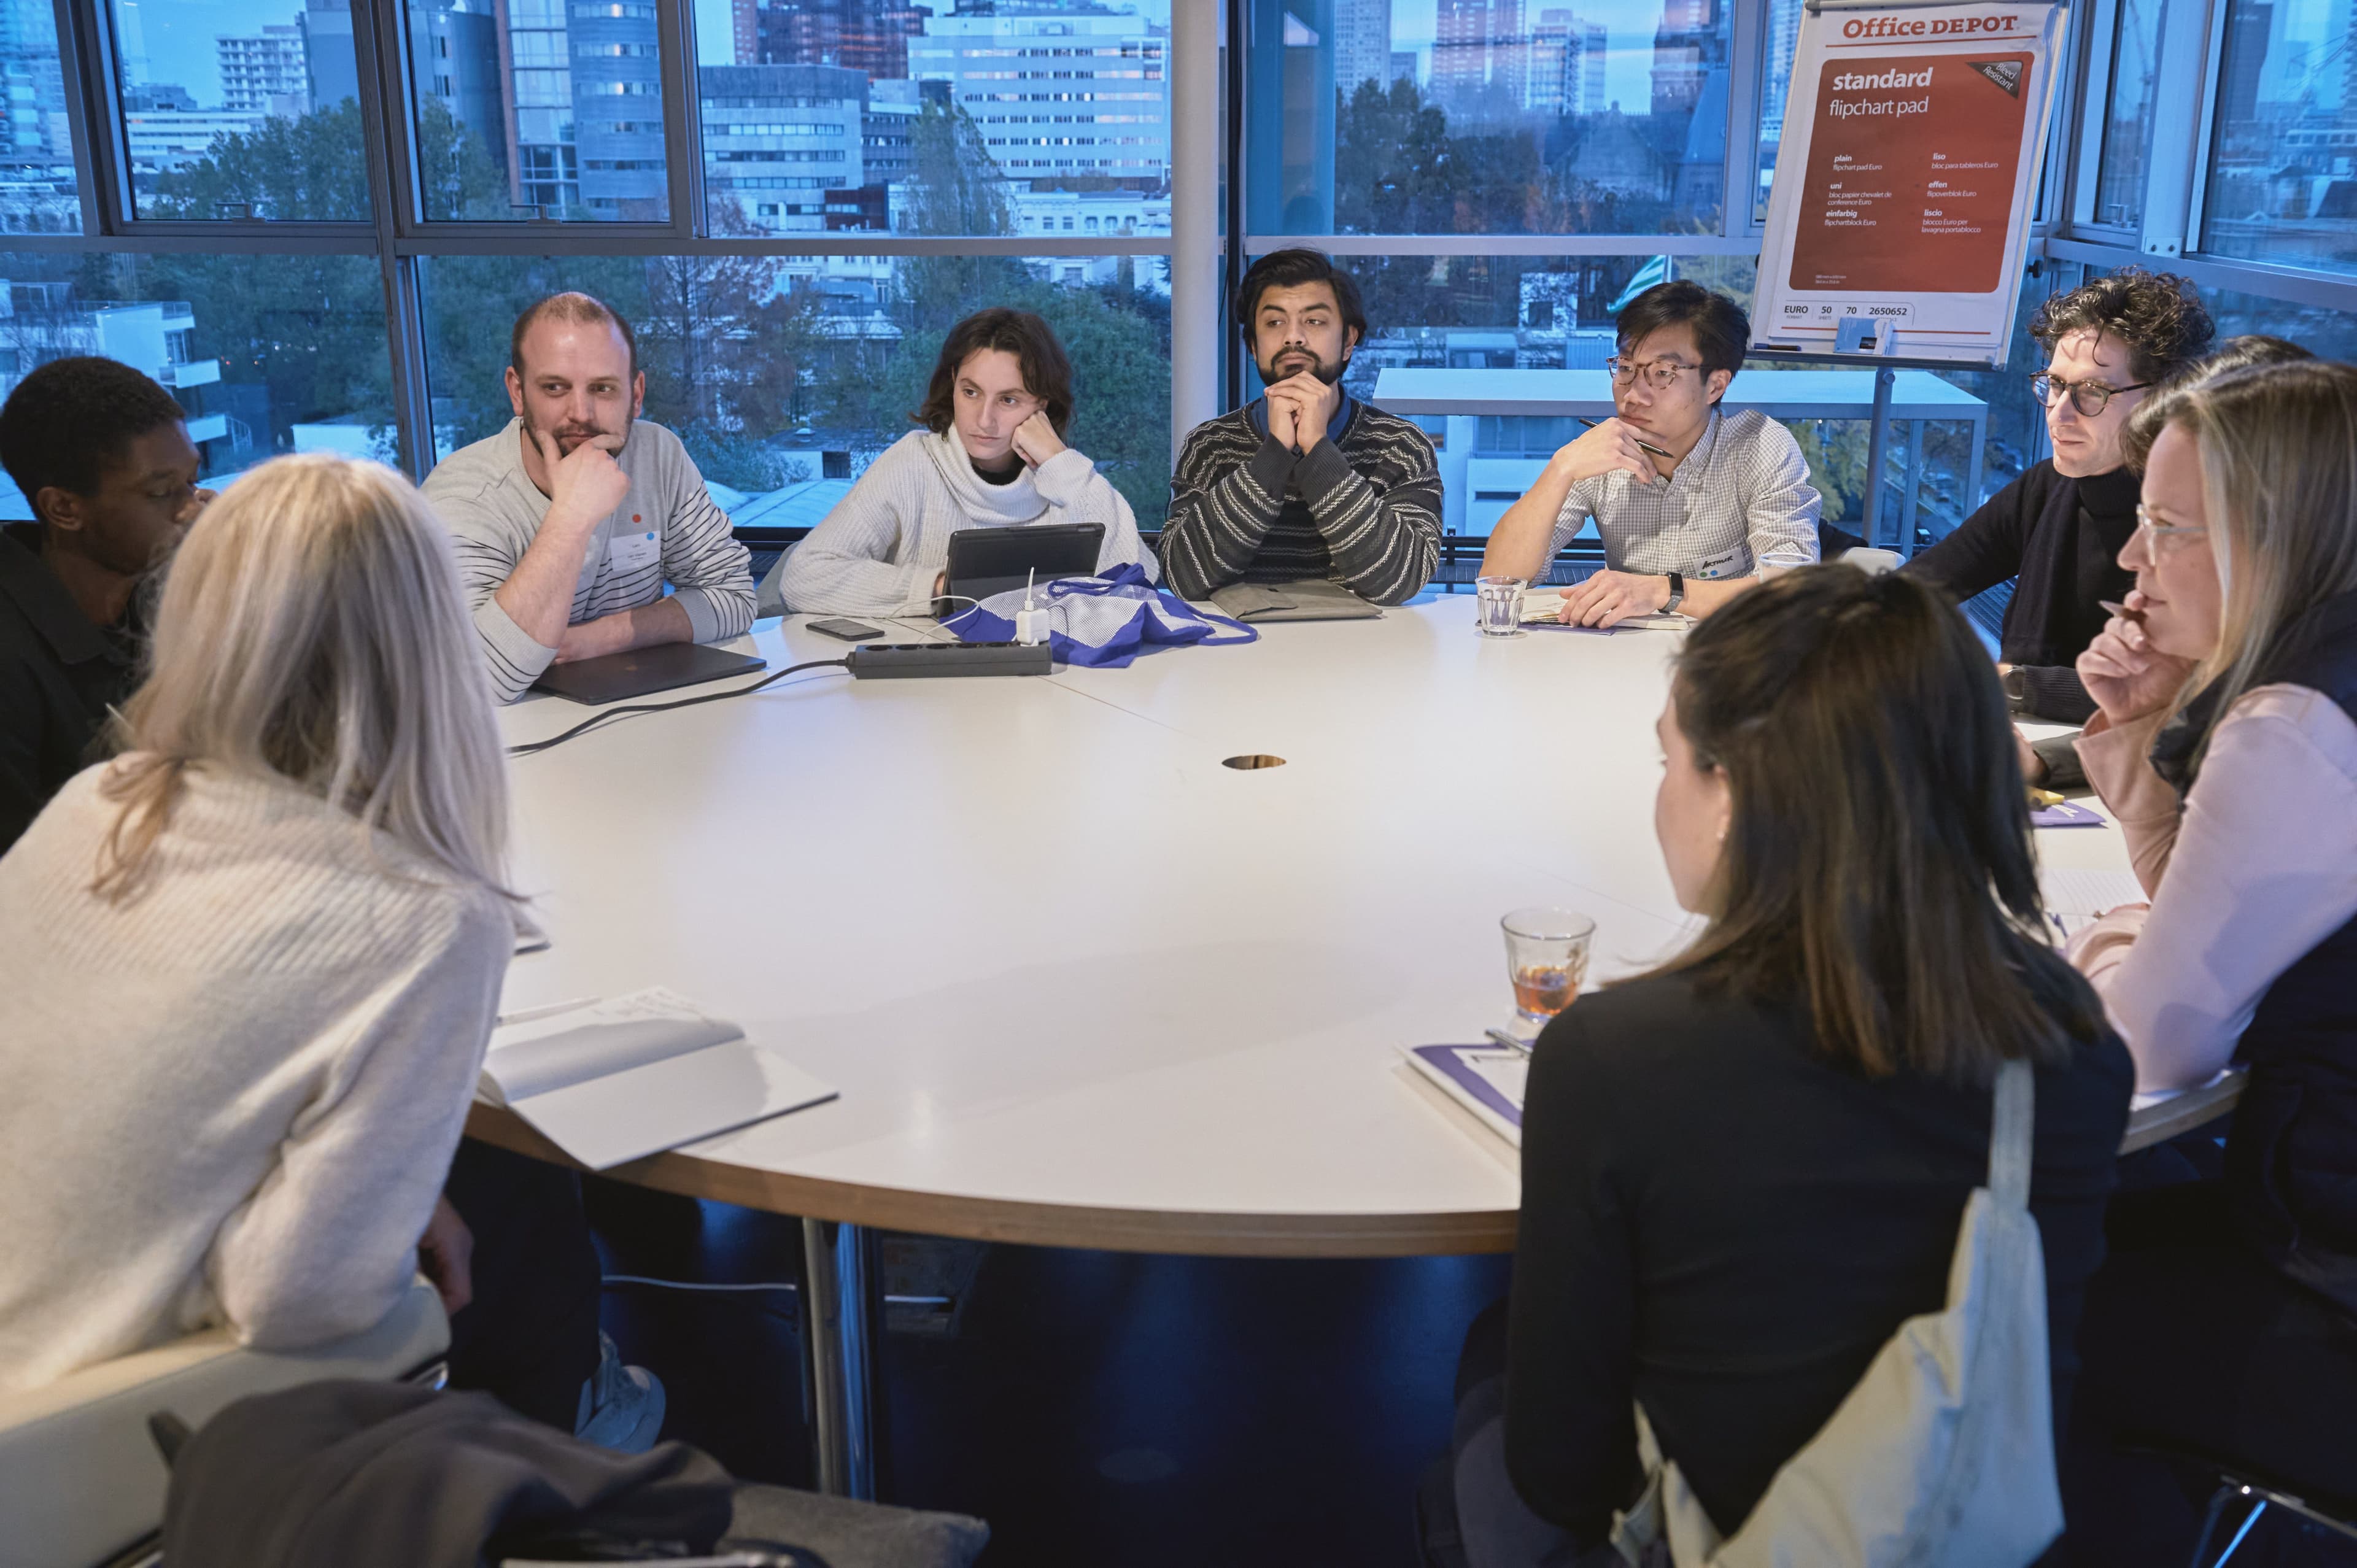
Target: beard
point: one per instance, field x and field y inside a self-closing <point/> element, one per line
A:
<point x="1296" y="359"/>
<point x="569" y="436"/>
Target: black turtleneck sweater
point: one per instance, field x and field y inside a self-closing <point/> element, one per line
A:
<point x="2062" y="538"/>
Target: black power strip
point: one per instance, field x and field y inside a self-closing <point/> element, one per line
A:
<point x="897" y="661"/>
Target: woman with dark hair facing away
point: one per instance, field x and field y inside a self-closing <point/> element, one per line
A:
<point x="2057" y="530"/>
<point x="1745" y="1169"/>
<point x="992" y="455"/>
<point x="2226" y="1318"/>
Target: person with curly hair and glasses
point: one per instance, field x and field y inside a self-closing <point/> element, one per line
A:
<point x="2057" y="530"/>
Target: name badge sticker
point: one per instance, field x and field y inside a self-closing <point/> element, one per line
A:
<point x="1721" y="565"/>
<point x="630" y="551"/>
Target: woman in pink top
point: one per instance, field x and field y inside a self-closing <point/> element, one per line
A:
<point x="2226" y="1319"/>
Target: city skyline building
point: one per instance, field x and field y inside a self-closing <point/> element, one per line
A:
<point x="266" y="72"/>
<point x="870" y="36"/>
<point x="1479" y="58"/>
<point x="1566" y="65"/>
<point x="1057" y="92"/>
<point x="783" y="142"/>
<point x="1362" y="44"/>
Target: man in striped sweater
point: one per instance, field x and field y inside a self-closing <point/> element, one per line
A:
<point x="1308" y="482"/>
<point x="571" y="521"/>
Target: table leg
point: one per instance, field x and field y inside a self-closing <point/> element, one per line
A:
<point x="836" y="1322"/>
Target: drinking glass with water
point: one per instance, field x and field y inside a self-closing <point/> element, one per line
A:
<point x="1499" y="602"/>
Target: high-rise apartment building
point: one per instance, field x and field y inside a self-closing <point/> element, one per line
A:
<point x="36" y="173"/>
<point x="263" y="73"/>
<point x="330" y="61"/>
<point x="1479" y="57"/>
<point x="545" y="173"/>
<point x="1690" y="43"/>
<point x="453" y="59"/>
<point x="617" y="124"/>
<point x="1566" y="65"/>
<point x="1057" y="91"/>
<point x="1362" y="44"/>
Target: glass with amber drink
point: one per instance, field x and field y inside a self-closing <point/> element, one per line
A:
<point x="1546" y="959"/>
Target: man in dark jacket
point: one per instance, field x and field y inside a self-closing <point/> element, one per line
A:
<point x="103" y="457"/>
<point x="2058" y="529"/>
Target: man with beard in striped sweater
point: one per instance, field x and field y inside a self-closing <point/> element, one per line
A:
<point x="1307" y="483"/>
<point x="570" y="522"/>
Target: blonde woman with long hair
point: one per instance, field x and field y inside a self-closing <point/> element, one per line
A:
<point x="248" y="968"/>
<point x="2227" y="749"/>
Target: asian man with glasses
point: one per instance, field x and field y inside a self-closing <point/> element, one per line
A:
<point x="2057" y="532"/>
<point x="1693" y="504"/>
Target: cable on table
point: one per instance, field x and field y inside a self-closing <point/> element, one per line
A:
<point x="594" y="720"/>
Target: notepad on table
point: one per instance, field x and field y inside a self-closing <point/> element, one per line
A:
<point x="614" y="1078"/>
<point x="1488" y="1080"/>
<point x="1539" y="605"/>
<point x="2075" y="898"/>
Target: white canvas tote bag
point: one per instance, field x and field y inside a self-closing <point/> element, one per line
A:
<point x="1943" y="1456"/>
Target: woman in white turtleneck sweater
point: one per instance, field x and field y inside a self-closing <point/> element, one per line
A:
<point x="992" y="456"/>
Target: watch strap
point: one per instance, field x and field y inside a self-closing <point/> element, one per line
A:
<point x="1677" y="592"/>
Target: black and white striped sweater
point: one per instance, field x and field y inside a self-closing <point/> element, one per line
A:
<point x="1363" y="509"/>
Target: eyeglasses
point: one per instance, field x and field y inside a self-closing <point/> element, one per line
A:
<point x="2157" y="539"/>
<point x="1660" y="374"/>
<point x="2090" y="398"/>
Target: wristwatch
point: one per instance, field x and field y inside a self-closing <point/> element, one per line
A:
<point x="1677" y="592"/>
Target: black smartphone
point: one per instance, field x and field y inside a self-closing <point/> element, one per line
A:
<point x="849" y="630"/>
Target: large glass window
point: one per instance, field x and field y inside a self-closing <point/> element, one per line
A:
<point x="235" y="110"/>
<point x="785" y="376"/>
<point x="267" y="354"/>
<point x="1489" y="116"/>
<point x="881" y="116"/>
<point x="539" y="109"/>
<point x="1775" y="86"/>
<point x="2282" y="154"/>
<point x="38" y="189"/>
<point x="2128" y="114"/>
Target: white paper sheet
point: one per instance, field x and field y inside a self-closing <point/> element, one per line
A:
<point x="2088" y="893"/>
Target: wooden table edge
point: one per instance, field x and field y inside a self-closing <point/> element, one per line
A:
<point x="1033" y="1224"/>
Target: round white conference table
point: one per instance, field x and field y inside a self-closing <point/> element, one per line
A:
<point x="1079" y="982"/>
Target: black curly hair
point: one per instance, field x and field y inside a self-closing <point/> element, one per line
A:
<point x="72" y="419"/>
<point x="2157" y="315"/>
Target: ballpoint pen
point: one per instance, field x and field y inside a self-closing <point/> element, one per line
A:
<point x="1641" y="441"/>
<point x="1505" y="1038"/>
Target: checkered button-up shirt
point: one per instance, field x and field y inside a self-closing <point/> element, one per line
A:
<point x="1740" y="501"/>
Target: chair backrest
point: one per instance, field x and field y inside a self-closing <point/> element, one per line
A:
<point x="769" y="595"/>
<point x="1873" y="563"/>
<point x="81" y="1479"/>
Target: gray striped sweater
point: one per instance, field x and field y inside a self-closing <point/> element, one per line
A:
<point x="667" y="529"/>
<point x="1363" y="509"/>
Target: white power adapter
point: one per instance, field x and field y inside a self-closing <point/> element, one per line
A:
<point x="1030" y="621"/>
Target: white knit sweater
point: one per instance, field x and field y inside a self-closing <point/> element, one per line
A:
<point x="877" y="553"/>
<point x="233" y="1098"/>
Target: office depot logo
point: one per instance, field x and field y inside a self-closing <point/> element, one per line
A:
<point x="1941" y="27"/>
